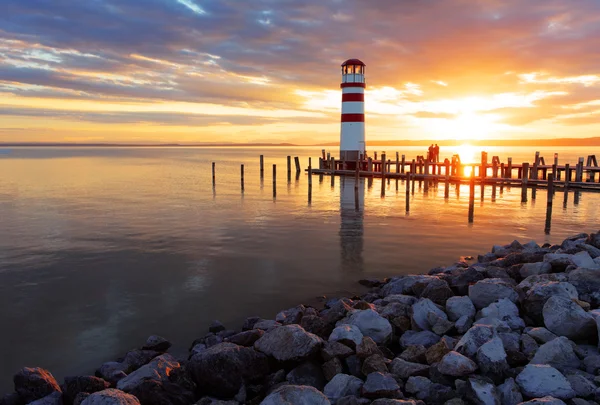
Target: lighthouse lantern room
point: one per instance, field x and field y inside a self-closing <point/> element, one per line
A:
<point x="352" y="133"/>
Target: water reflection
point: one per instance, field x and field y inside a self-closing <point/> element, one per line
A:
<point x="352" y="202"/>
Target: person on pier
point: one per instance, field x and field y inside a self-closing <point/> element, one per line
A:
<point x="436" y="153"/>
<point x="430" y="154"/>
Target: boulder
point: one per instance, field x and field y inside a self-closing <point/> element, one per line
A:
<point x="536" y="297"/>
<point x="539" y="380"/>
<point x="388" y="401"/>
<point x="373" y="364"/>
<point x="534" y="269"/>
<point x="34" y="383"/>
<point x="395" y="310"/>
<point x="289" y="343"/>
<point x="407" y="300"/>
<point x="307" y="373"/>
<point x="510" y="340"/>
<point x="541" y="335"/>
<point x="509" y="392"/>
<point x="558" y="261"/>
<point x="463" y="324"/>
<point x="491" y="357"/>
<point x="439" y="325"/>
<point x="53" y="399"/>
<point x="342" y="385"/>
<point x="178" y="389"/>
<point x="317" y="325"/>
<point x="354" y="366"/>
<point x="544" y="401"/>
<point x="246" y="338"/>
<point x="583" y="259"/>
<point x="112" y="372"/>
<point x="333" y="367"/>
<point x="404" y="369"/>
<point x="403" y="285"/>
<point x="506" y="311"/>
<point x="437" y="291"/>
<point x="222" y="369"/>
<point x="457" y="307"/>
<point x="157" y="343"/>
<point x="367" y="348"/>
<point x="530" y="281"/>
<point x="415" y="354"/>
<point x="596" y="315"/>
<point x="135" y="359"/>
<point x="336" y="349"/>
<point x="587" y="283"/>
<point x="475" y="337"/>
<point x="484" y="292"/>
<point x="420" y="312"/>
<point x="295" y="395"/>
<point x="565" y="318"/>
<point x="436" y="352"/>
<point x="349" y="335"/>
<point x="482" y="392"/>
<point x="267" y="325"/>
<point x="110" y="397"/>
<point x="291" y="316"/>
<point x="425" y="338"/>
<point x="582" y="386"/>
<point x="75" y="385"/>
<point x="557" y="353"/>
<point x="456" y="365"/>
<point x="370" y="323"/>
<point x="158" y="369"/>
<point x="381" y="385"/>
<point x="528" y="345"/>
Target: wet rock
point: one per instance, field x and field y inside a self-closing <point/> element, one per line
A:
<point x="424" y="338"/>
<point x="484" y="292"/>
<point x="158" y="369"/>
<point x="315" y="324"/>
<point x="34" y="383"/>
<point x="414" y="354"/>
<point x="373" y="364"/>
<point x="75" y="385"/>
<point x="558" y="261"/>
<point x="333" y="367"/>
<point x="437" y="291"/>
<point x="157" y="343"/>
<point x="509" y="392"/>
<point x="530" y="281"/>
<point x="381" y="385"/>
<point x="565" y="318"/>
<point x="457" y="307"/>
<point x="587" y="283"/>
<point x="289" y="343"/>
<point x="541" y="335"/>
<point x="539" y="380"/>
<point x="534" y="269"/>
<point x="307" y="373"/>
<point x="246" y="338"/>
<point x="291" y="316"/>
<point x="404" y="284"/>
<point x="295" y="395"/>
<point x="557" y="353"/>
<point x="482" y="392"/>
<point x="110" y="397"/>
<point x="342" y="385"/>
<point x="420" y="312"/>
<point x="456" y="365"/>
<point x="336" y="349"/>
<point x="349" y="335"/>
<point x="112" y="372"/>
<point x="475" y="337"/>
<point x="371" y="324"/>
<point x="404" y="369"/>
<point x="267" y="325"/>
<point x="222" y="369"/>
<point x="491" y="357"/>
<point x="540" y="293"/>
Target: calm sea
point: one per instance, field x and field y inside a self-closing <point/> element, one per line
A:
<point x="101" y="247"/>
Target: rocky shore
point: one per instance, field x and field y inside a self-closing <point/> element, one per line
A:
<point x="518" y="325"/>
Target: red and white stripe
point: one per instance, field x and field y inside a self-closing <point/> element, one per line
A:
<point x="352" y="134"/>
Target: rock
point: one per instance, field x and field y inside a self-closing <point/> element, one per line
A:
<point x="216" y="327"/>
<point x="534" y="269"/>
<point x="158" y="369"/>
<point x="222" y="369"/>
<point x="381" y="385"/>
<point x="110" y="397"/>
<point x="352" y="400"/>
<point x="436" y="352"/>
<point x="557" y="353"/>
<point x="289" y="343"/>
<point x="295" y="395"/>
<point x="395" y="310"/>
<point x="461" y="279"/>
<point x="439" y="325"/>
<point x="214" y="401"/>
<point x="157" y="343"/>
<point x="415" y="354"/>
<point x="336" y="349"/>
<point x="541" y="335"/>
<point x="246" y="338"/>
<point x="401" y="324"/>
<point x="491" y="357"/>
<point x="267" y="325"/>
<point x="455" y="401"/>
<point x="456" y="365"/>
<point x="558" y="261"/>
<point x="437" y="291"/>
<point x="337" y="310"/>
<point x="473" y="339"/>
<point x="315" y="324"/>
<point x="354" y="366"/>
<point x="420" y="312"/>
<point x="425" y="390"/>
<point x="342" y="385"/>
<point x="388" y="401"/>
<point x="593" y="251"/>
<point x="371" y="324"/>
<point x="544" y="401"/>
<point x="587" y="283"/>
<point x="583" y="387"/>
<point x="506" y="311"/>
<point x="53" y="399"/>
<point x="457" y="307"/>
<point x="373" y="364"/>
<point x="291" y="316"/>
<point x="484" y="292"/>
<point x="528" y="345"/>
<point x="135" y="359"/>
<point x="333" y="367"/>
<point x="482" y="392"/>
<point x="404" y="369"/>
<point x="583" y="259"/>
<point x="509" y="392"/>
<point x="496" y="324"/>
<point x="425" y="338"/>
<point x="407" y="300"/>
<point x="178" y="389"/>
<point x="307" y="373"/>
<point x="34" y="383"/>
<point x="515" y="358"/>
<point x="367" y="348"/>
<point x="463" y="324"/>
<point x="540" y="293"/>
<point x="250" y="322"/>
<point x="510" y="340"/>
<point x="592" y="363"/>
<point x="565" y="318"/>
<point x="75" y="385"/>
<point x="539" y="380"/>
<point x="596" y="315"/>
<point x="349" y="335"/>
<point x="112" y="372"/>
<point x="404" y="284"/>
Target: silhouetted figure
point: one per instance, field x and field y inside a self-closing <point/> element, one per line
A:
<point x="436" y="153"/>
<point x="430" y="157"/>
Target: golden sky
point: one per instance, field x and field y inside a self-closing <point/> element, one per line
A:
<point x="235" y="71"/>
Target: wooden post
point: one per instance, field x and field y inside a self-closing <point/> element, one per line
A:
<point x="297" y="162"/>
<point x="494" y="168"/>
<point x="320" y="163"/>
<point x="309" y="180"/>
<point x="397" y="162"/>
<point x="323" y="154"/>
<point x="566" y="185"/>
<point x="408" y="192"/>
<point x="383" y="174"/>
<point x="413" y="169"/>
<point x="483" y="168"/>
<point x="535" y="174"/>
<point x="426" y="184"/>
<point x="274" y="181"/>
<point x="549" y="202"/>
<point x="472" y="194"/>
<point x="262" y="166"/>
<point x="213" y="174"/>
<point x="370" y="166"/>
<point x="579" y="173"/>
<point x="374" y="155"/>
<point x="524" y="182"/>
<point x="242" y="177"/>
<point x="332" y="171"/>
<point x="556" y="171"/>
<point x="447" y="184"/>
<point x="389" y="170"/>
<point x="402" y="164"/>
<point x="509" y="169"/>
<point x="289" y="168"/>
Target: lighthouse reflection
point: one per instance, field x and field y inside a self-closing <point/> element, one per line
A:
<point x="351" y="225"/>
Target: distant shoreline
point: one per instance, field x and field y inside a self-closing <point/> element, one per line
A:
<point x="595" y="141"/>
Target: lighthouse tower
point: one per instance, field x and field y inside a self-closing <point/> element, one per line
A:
<point x="352" y="134"/>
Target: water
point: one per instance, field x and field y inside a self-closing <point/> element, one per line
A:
<point x="101" y="247"/>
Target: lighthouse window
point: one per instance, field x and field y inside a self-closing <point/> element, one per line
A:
<point x="358" y="70"/>
<point x="349" y="69"/>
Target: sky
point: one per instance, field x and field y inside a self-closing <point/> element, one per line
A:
<point x="188" y="71"/>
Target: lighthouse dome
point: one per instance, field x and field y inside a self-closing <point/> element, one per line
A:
<point x="353" y="62"/>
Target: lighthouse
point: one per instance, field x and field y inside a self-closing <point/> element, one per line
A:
<point x="352" y="133"/>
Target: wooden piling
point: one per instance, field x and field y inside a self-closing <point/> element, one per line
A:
<point x="472" y="194"/>
<point x="297" y="162"/>
<point x="309" y="180"/>
<point x="408" y="192"/>
<point x="370" y="165"/>
<point x="242" y="177"/>
<point x="549" y="202"/>
<point x="509" y="169"/>
<point x="525" y="175"/>
<point x="534" y="175"/>
<point x="413" y="171"/>
<point x="213" y="174"/>
<point x="289" y="168"/>
<point x="483" y="167"/>
<point x="332" y="169"/>
<point x="426" y="184"/>
<point x="402" y="164"/>
<point x="383" y="174"/>
<point x="447" y="182"/>
<point x="274" y="181"/>
<point x="389" y="170"/>
<point x="555" y="165"/>
<point x="262" y="166"/>
<point x="566" y="185"/>
<point x="398" y="163"/>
